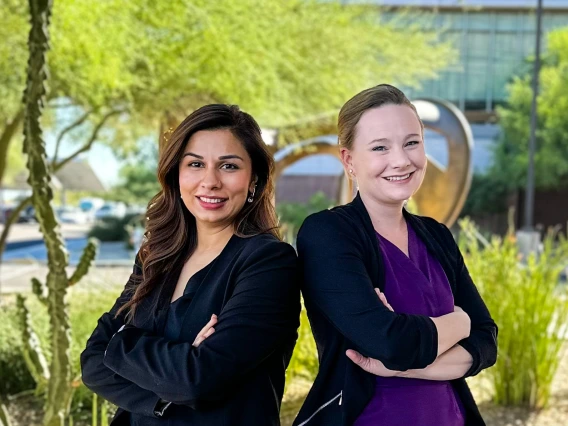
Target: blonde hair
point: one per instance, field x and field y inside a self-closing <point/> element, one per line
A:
<point x="354" y="108"/>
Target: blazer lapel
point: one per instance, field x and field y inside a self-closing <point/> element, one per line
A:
<point x="212" y="293"/>
<point x="377" y="272"/>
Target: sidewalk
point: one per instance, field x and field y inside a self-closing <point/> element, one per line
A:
<point x="27" y="232"/>
<point x="17" y="278"/>
<point x="26" y="257"/>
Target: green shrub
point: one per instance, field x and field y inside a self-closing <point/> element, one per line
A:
<point x="14" y="375"/>
<point x="292" y="215"/>
<point x="113" y="228"/>
<point x="529" y="307"/>
<point x="88" y="301"/>
<point x="304" y="363"/>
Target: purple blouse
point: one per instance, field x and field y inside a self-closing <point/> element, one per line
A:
<point x="413" y="285"/>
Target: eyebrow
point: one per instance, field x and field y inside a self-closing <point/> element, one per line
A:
<point x="191" y="154"/>
<point x="223" y="157"/>
<point x="411" y="135"/>
<point x="230" y="157"/>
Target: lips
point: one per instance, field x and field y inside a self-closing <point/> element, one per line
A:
<point x="399" y="178"/>
<point x="211" y="203"/>
<point x="211" y="200"/>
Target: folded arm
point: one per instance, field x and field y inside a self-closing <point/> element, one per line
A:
<point x="469" y="356"/>
<point x="338" y="285"/>
<point x="260" y="318"/>
<point x="452" y="364"/>
<point x="105" y="382"/>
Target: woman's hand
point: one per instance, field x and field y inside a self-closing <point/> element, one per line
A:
<point x="370" y="365"/>
<point x="383" y="299"/>
<point x="206" y="331"/>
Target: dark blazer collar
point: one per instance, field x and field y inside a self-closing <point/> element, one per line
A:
<point x="431" y="240"/>
<point x="363" y="214"/>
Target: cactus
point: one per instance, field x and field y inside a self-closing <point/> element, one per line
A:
<point x="59" y="389"/>
<point x="39" y="289"/>
<point x="56" y="379"/>
<point x="33" y="354"/>
<point x="87" y="259"/>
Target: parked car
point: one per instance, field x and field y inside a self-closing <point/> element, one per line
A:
<point x="69" y="214"/>
<point x="117" y="210"/>
<point x="27" y="215"/>
<point x="90" y="206"/>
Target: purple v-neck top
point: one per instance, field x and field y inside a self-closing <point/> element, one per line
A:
<point x="413" y="285"/>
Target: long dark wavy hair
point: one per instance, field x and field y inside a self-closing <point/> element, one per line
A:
<point x="171" y="233"/>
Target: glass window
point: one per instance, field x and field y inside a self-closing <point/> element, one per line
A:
<point x="480" y="21"/>
<point x="507" y="46"/>
<point x="478" y="45"/>
<point x="476" y="81"/>
<point x="506" y="21"/>
<point x="528" y="21"/>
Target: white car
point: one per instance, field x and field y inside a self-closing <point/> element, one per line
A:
<point x="71" y="215"/>
<point x="117" y="210"/>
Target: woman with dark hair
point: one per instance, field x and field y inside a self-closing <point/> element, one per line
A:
<point x="397" y="320"/>
<point x="205" y="328"/>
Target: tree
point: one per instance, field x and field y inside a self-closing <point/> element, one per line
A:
<point x="292" y="215"/>
<point x="90" y="87"/>
<point x="138" y="182"/>
<point x="125" y="69"/>
<point x="511" y="154"/>
<point x="490" y="191"/>
<point x="280" y="61"/>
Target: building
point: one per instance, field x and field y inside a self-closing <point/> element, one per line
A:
<point x="494" y="38"/>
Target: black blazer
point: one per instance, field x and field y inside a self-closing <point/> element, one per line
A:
<point x="236" y="376"/>
<point x="341" y="262"/>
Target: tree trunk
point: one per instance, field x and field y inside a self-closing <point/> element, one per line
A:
<point x="5" y="138"/>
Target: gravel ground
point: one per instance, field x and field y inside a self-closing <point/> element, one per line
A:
<point x="555" y="415"/>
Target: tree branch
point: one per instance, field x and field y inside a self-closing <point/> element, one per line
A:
<point x="66" y="130"/>
<point x="57" y="166"/>
<point x="92" y="139"/>
<point x="62" y="106"/>
<point x="11" y="220"/>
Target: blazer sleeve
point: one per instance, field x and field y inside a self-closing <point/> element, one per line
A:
<point x="336" y="282"/>
<point x="482" y="340"/>
<point x="102" y="380"/>
<point x="261" y="316"/>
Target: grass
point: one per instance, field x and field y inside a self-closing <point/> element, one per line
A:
<point x="529" y="307"/>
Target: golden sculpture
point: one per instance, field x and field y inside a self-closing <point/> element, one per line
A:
<point x="444" y="190"/>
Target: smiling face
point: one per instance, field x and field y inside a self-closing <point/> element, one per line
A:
<point x="215" y="177"/>
<point x="387" y="156"/>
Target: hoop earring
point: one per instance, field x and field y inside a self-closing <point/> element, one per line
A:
<point x="250" y="199"/>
